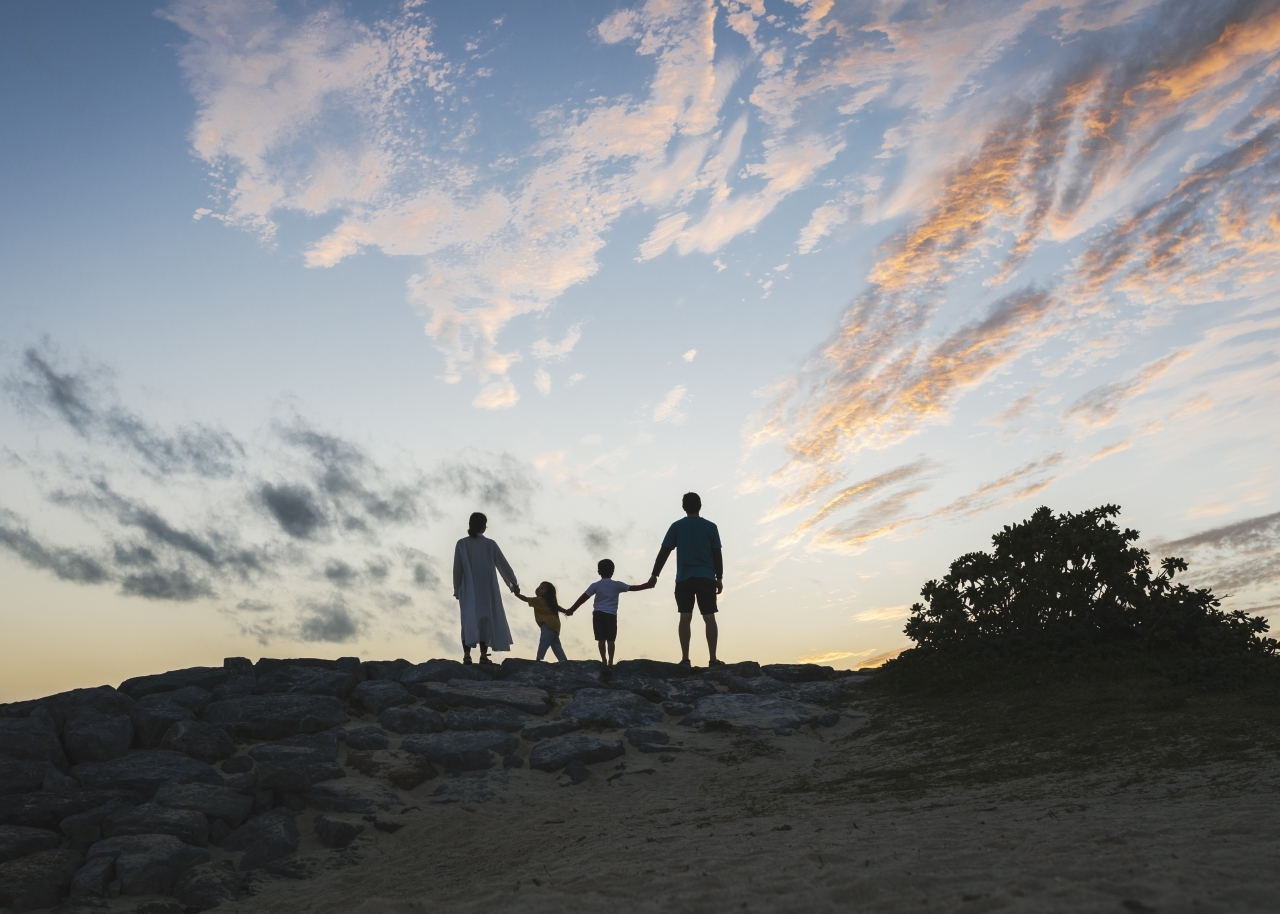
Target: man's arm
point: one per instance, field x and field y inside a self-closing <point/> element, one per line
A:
<point x="717" y="557"/>
<point x="647" y="585"/>
<point x="658" y="563"/>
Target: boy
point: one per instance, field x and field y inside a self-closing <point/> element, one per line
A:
<point x="604" y="617"/>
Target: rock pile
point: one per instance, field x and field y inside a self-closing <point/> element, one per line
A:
<point x="192" y="782"/>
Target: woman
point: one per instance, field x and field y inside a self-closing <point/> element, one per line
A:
<point x="477" y="562"/>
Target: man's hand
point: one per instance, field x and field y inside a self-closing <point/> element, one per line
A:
<point x="515" y="589"/>
<point x="653" y="579"/>
<point x="719" y="586"/>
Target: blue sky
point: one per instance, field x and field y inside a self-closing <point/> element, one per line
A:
<point x="290" y="289"/>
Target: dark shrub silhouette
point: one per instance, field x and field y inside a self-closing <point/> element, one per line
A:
<point x="1073" y="586"/>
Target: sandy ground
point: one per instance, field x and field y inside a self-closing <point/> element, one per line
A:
<point x="725" y="825"/>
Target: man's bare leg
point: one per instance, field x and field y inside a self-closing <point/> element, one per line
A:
<point x="713" y="635"/>
<point x="685" y="619"/>
<point x="610" y="653"/>
<point x="603" y="657"/>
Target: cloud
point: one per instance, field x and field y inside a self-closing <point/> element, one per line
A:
<point x="1025" y="481"/>
<point x="331" y="622"/>
<point x="1241" y="558"/>
<point x="66" y="564"/>
<point x="598" y="540"/>
<point x="883" y="614"/>
<point x="669" y="410"/>
<point x="500" y="483"/>
<point x="690" y="355"/>
<point x="1100" y="405"/>
<point x="542" y="381"/>
<point x="543" y="349"/>
<point x="294" y="509"/>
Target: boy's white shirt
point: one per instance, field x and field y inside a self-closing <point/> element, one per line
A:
<point x="606" y="592"/>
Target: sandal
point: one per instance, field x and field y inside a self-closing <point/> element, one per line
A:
<point x="686" y="663"/>
<point x="485" y="661"/>
<point x="467" y="661"/>
<point x="716" y="663"/>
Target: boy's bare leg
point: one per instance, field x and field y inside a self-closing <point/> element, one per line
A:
<point x="685" y="619"/>
<point x="610" y="653"/>
<point x="603" y="658"/>
<point x="713" y="635"/>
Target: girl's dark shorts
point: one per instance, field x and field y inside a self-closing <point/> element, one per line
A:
<point x="701" y="589"/>
<point x="605" y="625"/>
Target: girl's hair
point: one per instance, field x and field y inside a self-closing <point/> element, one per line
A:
<point x="477" y="523"/>
<point x="551" y="596"/>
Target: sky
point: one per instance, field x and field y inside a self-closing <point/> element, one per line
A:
<point x="288" y="290"/>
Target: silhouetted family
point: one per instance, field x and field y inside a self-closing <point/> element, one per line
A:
<point x="477" y="563"/>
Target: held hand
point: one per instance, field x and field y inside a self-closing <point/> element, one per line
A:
<point x="719" y="587"/>
<point x="515" y="589"/>
<point x="653" y="579"/>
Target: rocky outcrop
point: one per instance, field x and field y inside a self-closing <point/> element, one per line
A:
<point x="47" y="810"/>
<point x="147" y="864"/>
<point x="334" y="832"/>
<point x="264" y="838"/>
<point x="202" y="677"/>
<point x="554" y="754"/>
<point x="222" y="803"/>
<point x="462" y="751"/>
<point x="303" y="680"/>
<point x="90" y="735"/>
<point x="17" y="841"/>
<point x="38" y="880"/>
<point x="365" y="738"/>
<point x="31" y="739"/>
<point x="199" y="740"/>
<point x="759" y="712"/>
<point x="526" y="698"/>
<point x="607" y="708"/>
<point x="495" y="717"/>
<point x="208" y="885"/>
<point x="143" y="772"/>
<point x="153" y="716"/>
<point x="153" y="819"/>
<point x="411" y="720"/>
<point x="402" y="770"/>
<point x="798" y="672"/>
<point x="276" y="716"/>
<point x="375" y="696"/>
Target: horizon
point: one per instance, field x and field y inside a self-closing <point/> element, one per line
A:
<point x="291" y="290"/>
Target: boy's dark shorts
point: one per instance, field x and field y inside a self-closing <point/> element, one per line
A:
<point x="605" y="625"/>
<point x="702" y="589"/>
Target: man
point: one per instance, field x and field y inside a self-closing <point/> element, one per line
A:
<point x="699" y="572"/>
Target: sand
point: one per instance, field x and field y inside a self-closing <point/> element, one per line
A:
<point x="755" y="823"/>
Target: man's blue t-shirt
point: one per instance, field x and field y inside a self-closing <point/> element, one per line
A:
<point x="693" y="538"/>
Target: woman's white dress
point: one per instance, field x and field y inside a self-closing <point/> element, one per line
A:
<point x="477" y="562"/>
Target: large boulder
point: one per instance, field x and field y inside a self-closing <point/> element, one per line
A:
<point x="550" y="729"/>
<point x="152" y="717"/>
<point x="85" y="828"/>
<point x="199" y="740"/>
<point x="154" y="819"/>
<point x="555" y="680"/>
<point x="89" y="735"/>
<point x="17" y="841"/>
<point x="324" y="744"/>
<point x="93" y="880"/>
<point x="441" y="671"/>
<point x="222" y="803"/>
<point x="148" y="864"/>
<point x="523" y="697"/>
<point x="687" y="691"/>
<point x="38" y="880"/>
<point x="264" y="838"/>
<point x="554" y="754"/>
<point x="333" y="832"/>
<point x="47" y="810"/>
<point x="763" y="685"/>
<point x="654" y="690"/>
<point x="266" y="666"/>
<point x="292" y="768"/>
<point x="376" y="695"/>
<point x="22" y="776"/>
<point x="144" y="771"/>
<point x="357" y="795"/>
<point x="303" y="680"/>
<point x="462" y="751"/>
<point x="202" y="677"/>
<point x="651" y="669"/>
<point x="102" y="699"/>
<point x="402" y="770"/>
<point x="495" y="717"/>
<point x="385" y="669"/>
<point x="31" y="739"/>
<point x="607" y="708"/>
<point x="208" y="885"/>
<point x="758" y="712"/>
<point x="193" y="698"/>
<point x="798" y="672"/>
<point x="411" y="720"/>
<point x="235" y="687"/>
<point x="365" y="738"/>
<point x="276" y="716"/>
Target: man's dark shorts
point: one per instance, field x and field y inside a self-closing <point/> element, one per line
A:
<point x="701" y="589"/>
<point x="605" y="625"/>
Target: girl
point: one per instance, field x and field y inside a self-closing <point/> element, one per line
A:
<point x="546" y="612"/>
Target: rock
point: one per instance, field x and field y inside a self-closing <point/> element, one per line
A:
<point x="238" y="666"/>
<point x="758" y="712"/>
<point x="577" y="771"/>
<point x="376" y="695"/>
<point x="411" y="720"/>
<point x="401" y="770"/>
<point x="384" y="669"/>
<point x="351" y="666"/>
<point x="235" y="687"/>
<point x="530" y="699"/>
<point x="497" y="717"/>
<point x="765" y="685"/>
<point x="246" y="783"/>
<point x="264" y="801"/>
<point x="554" y="754"/>
<point x="365" y="738"/>
<point x="430" y="693"/>
<point x="276" y="716"/>
<point x="676" y="708"/>
<point x="651" y="669"/>
<point x="237" y="764"/>
<point x="301" y="680"/>
<point x="687" y="691"/>
<point x="556" y="681"/>
<point x="148" y="864"/>
<point x="203" y="677"/>
<point x="798" y="672"/>
<point x="153" y="716"/>
<point x="153" y="819"/>
<point x="218" y="829"/>
<point x="607" y="708"/>
<point x="89" y="735"/>
<point x="38" y="880"/>
<point x="193" y="698"/>
<point x="554" y="728"/>
<point x="143" y="772"/>
<point x="462" y="750"/>
<point x="820" y="692"/>
<point x="223" y="803"/>
<point x="85" y="828"/>
<point x="269" y="665"/>
<point x="336" y="832"/>
<point x="441" y="671"/>
<point x="324" y="744"/>
<point x="199" y="740"/>
<point x="647" y="740"/>
<point x="264" y="838"/>
<point x="56" y="782"/>
<point x="512" y="761"/>
<point x="32" y="740"/>
<point x="103" y="699"/>
<point x="17" y="841"/>
<point x="320" y="772"/>
<point x="208" y="885"/>
<point x="93" y="880"/>
<point x="47" y="810"/>
<point x="654" y="690"/>
<point x="355" y="795"/>
<point x="22" y="776"/>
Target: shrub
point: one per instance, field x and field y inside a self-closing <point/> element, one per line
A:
<point x="1073" y="586"/>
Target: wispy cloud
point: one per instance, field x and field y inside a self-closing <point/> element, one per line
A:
<point x="671" y="410"/>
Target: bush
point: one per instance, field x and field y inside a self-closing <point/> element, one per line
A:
<point x="1073" y="586"/>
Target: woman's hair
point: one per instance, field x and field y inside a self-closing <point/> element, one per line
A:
<point x="551" y="596"/>
<point x="477" y="523"/>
